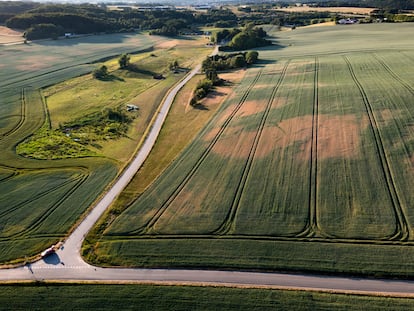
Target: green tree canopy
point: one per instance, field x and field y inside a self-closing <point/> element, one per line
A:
<point x="124" y="61"/>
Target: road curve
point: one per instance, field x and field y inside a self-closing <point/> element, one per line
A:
<point x="68" y="265"/>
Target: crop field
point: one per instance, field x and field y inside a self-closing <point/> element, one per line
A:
<point x="40" y="200"/>
<point x="40" y="296"/>
<point x="307" y="166"/>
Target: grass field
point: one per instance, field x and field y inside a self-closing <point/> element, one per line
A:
<point x="150" y="297"/>
<point x="43" y="85"/>
<point x="307" y="166"/>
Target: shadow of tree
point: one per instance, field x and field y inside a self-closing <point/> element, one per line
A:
<point x="52" y="259"/>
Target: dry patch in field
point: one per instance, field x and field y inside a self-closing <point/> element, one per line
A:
<point x="343" y="10"/>
<point x="8" y="35"/>
<point x="251" y="107"/>
<point x="321" y="24"/>
<point x="387" y="115"/>
<point x="36" y="62"/>
<point x="167" y="44"/>
<point x="338" y="137"/>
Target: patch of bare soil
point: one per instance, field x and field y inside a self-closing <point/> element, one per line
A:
<point x="338" y="137"/>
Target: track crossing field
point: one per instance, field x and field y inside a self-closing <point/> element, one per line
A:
<point x="309" y="165"/>
<point x="40" y="200"/>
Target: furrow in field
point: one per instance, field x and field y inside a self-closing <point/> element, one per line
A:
<point x="149" y="225"/>
<point x="402" y="230"/>
<point x="228" y="222"/>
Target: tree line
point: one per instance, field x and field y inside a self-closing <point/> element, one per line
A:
<point x="57" y="19"/>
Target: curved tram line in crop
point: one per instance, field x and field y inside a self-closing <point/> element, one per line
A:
<point x="402" y="231"/>
<point x="78" y="182"/>
<point x="394" y="75"/>
<point x="22" y="115"/>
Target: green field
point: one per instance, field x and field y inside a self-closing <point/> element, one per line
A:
<point x="40" y="200"/>
<point x="308" y="166"/>
<point x="151" y="297"/>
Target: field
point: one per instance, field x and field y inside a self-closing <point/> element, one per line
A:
<point x="152" y="297"/>
<point x="342" y="10"/>
<point x="40" y="199"/>
<point x="308" y="166"/>
<point x="10" y="36"/>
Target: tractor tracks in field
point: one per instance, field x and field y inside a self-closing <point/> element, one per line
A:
<point x="149" y="226"/>
<point x="394" y="75"/>
<point x="402" y="231"/>
<point x="22" y="119"/>
<point x="228" y="224"/>
<point x="312" y="228"/>
<point x="79" y="181"/>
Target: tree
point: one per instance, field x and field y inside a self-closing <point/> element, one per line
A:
<point x="252" y="57"/>
<point x="238" y="61"/>
<point x="101" y="72"/>
<point x="124" y="61"/>
<point x="173" y="65"/>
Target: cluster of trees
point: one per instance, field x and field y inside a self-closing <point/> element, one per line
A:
<point x="242" y="39"/>
<point x="227" y="61"/>
<point x="202" y="89"/>
<point x="215" y="63"/>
